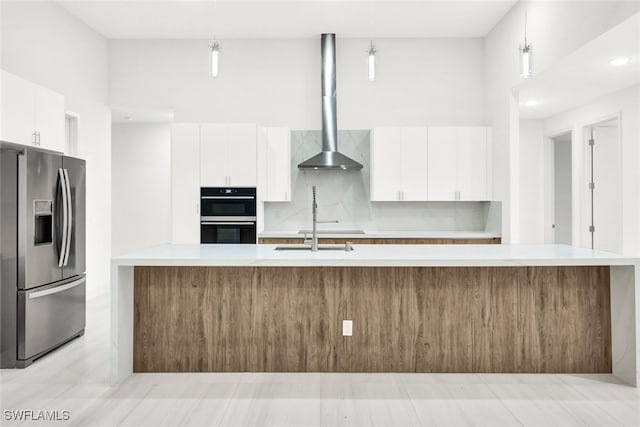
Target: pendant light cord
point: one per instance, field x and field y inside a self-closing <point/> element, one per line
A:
<point x="525" y="23"/>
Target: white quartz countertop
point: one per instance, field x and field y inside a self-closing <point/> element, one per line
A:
<point x="372" y="255"/>
<point x="295" y="234"/>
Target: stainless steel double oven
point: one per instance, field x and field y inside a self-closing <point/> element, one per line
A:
<point x="228" y="215"/>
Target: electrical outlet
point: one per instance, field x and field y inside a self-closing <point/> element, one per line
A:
<point x="347" y="328"/>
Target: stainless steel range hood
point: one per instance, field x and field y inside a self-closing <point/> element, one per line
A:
<point x="329" y="157"/>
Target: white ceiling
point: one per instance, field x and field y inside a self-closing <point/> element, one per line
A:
<point x="187" y="19"/>
<point x="586" y="74"/>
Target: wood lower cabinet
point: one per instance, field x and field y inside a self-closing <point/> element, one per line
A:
<point x="490" y="241"/>
<point x="405" y="319"/>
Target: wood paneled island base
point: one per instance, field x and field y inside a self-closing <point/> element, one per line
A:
<point x="405" y="319"/>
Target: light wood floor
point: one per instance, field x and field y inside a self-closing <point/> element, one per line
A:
<point x="75" y="378"/>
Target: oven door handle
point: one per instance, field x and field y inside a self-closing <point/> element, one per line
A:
<point x="227" y="197"/>
<point x="225" y="223"/>
<point x="227" y="218"/>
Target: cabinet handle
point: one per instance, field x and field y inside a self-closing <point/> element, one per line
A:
<point x="285" y="195"/>
<point x="38" y="138"/>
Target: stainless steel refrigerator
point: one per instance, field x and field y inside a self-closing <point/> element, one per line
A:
<point x="42" y="241"/>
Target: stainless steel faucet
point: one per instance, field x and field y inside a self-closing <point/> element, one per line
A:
<point x="314" y="212"/>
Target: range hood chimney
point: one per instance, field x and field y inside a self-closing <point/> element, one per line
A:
<point x="329" y="158"/>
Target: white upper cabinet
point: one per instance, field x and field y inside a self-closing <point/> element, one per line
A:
<point x="399" y="164"/>
<point x="386" y="165"/>
<point x="185" y="183"/>
<point x="214" y="170"/>
<point x="458" y="165"/>
<point x="228" y="155"/>
<point x="243" y="159"/>
<point x="442" y="164"/>
<point x="277" y="164"/>
<point x="18" y="112"/>
<point x="31" y="114"/>
<point x="473" y="161"/>
<point x="49" y="119"/>
<point x="413" y="163"/>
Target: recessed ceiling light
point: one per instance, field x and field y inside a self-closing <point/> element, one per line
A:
<point x="617" y="62"/>
<point x="531" y="103"/>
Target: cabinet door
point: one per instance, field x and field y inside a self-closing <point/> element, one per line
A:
<point x="185" y="183"/>
<point x="49" y="119"/>
<point x="472" y="163"/>
<point x="414" y="163"/>
<point x="278" y="164"/>
<point x="243" y="158"/>
<point x="386" y="176"/>
<point x="18" y="110"/>
<point x="214" y="163"/>
<point x="441" y="161"/>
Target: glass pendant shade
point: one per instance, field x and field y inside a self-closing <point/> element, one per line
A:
<point x="215" y="59"/>
<point x="372" y="63"/>
<point x="526" y="61"/>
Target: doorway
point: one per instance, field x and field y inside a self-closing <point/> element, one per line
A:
<point x="562" y="189"/>
<point x="604" y="185"/>
<point x="71" y="134"/>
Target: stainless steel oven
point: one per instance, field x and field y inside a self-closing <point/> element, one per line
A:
<point x="228" y="215"/>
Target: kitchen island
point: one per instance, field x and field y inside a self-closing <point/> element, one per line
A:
<point x="414" y="308"/>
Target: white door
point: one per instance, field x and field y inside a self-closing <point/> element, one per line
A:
<point x="278" y="164"/>
<point x="386" y="174"/>
<point x="185" y="183"/>
<point x="442" y="163"/>
<point x="472" y="163"/>
<point x="607" y="202"/>
<point x="562" y="193"/>
<point x="413" y="163"/>
<point x="49" y="119"/>
<point x="214" y="165"/>
<point x="18" y="109"/>
<point x="243" y="157"/>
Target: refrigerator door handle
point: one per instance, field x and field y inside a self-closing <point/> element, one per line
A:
<point x="65" y="215"/>
<point x="69" y="216"/>
<point x="57" y="289"/>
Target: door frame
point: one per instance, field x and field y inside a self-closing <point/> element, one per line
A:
<point x="549" y="184"/>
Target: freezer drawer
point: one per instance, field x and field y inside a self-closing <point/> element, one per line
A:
<point x="50" y="315"/>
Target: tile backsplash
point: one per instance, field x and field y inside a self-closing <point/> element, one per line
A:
<point x="344" y="195"/>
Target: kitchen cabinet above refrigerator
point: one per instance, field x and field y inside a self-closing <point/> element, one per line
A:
<point x="31" y="114"/>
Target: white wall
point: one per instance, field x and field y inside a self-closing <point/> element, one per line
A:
<point x="43" y="43"/>
<point x="555" y="29"/>
<point x="141" y="186"/>
<point x="277" y="82"/>
<point x="626" y="103"/>
<point x="532" y="178"/>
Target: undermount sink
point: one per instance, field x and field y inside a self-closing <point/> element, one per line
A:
<point x="308" y="248"/>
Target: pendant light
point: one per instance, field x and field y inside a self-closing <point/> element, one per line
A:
<point x="372" y="62"/>
<point x="214" y="60"/>
<point x="526" y="52"/>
